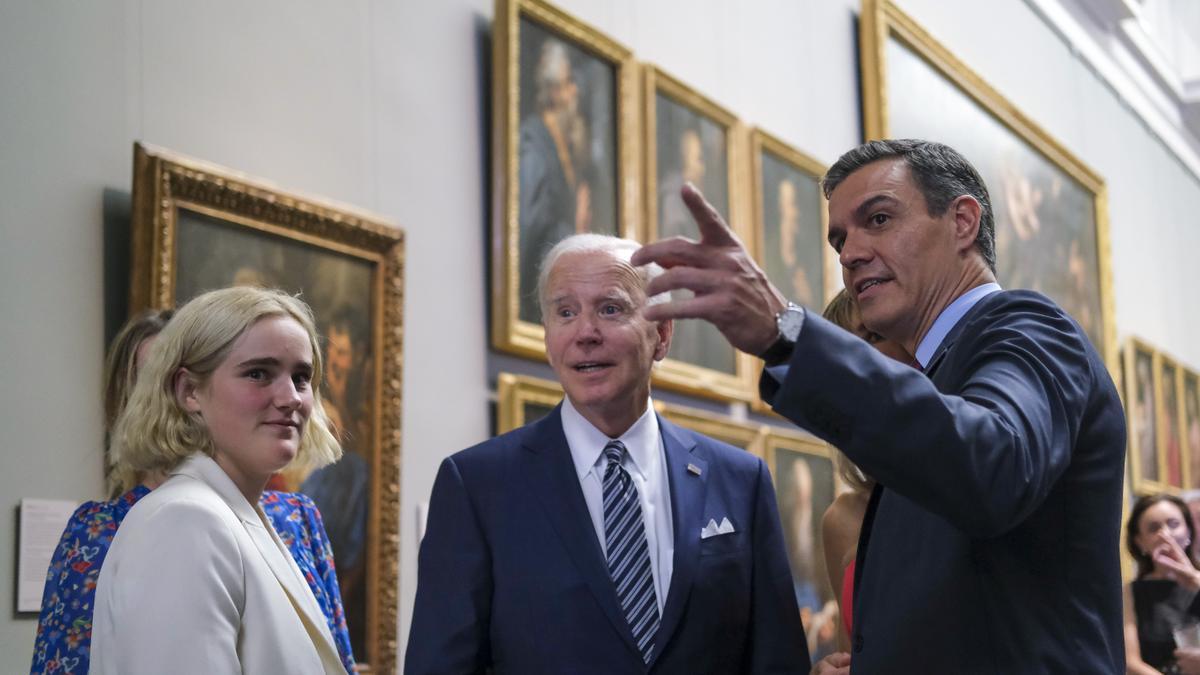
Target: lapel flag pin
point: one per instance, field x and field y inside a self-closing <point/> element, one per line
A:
<point x="692" y="468"/>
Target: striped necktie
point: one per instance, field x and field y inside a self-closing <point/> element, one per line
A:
<point x="628" y="554"/>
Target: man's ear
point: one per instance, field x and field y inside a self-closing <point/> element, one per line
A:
<point x="967" y="212"/>
<point x="185" y="390"/>
<point x="666" y="330"/>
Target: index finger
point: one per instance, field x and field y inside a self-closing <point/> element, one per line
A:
<point x="672" y="252"/>
<point x="713" y="228"/>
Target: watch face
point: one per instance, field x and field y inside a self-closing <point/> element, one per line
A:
<point x="790" y="320"/>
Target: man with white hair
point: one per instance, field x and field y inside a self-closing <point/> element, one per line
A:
<point x="602" y="538"/>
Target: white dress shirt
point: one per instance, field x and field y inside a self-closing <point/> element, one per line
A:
<point x="646" y="463"/>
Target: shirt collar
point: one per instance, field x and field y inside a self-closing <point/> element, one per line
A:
<point x="949" y="318"/>
<point x="587" y="442"/>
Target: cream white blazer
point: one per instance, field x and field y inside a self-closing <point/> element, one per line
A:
<point x="197" y="581"/>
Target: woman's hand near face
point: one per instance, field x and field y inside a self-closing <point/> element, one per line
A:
<point x="1168" y="555"/>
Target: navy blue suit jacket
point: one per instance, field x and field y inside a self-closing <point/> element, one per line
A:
<point x="511" y="577"/>
<point x="992" y="544"/>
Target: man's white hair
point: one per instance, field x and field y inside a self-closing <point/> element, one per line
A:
<point x="617" y="247"/>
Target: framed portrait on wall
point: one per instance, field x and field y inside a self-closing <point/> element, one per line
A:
<point x="1141" y="406"/>
<point x="1050" y="208"/>
<point x="564" y="159"/>
<point x="1190" y="390"/>
<point x="1170" y="421"/>
<point x="724" y="428"/>
<point x="805" y="486"/>
<point x="690" y="139"/>
<point x="521" y="399"/>
<point x="790" y="220"/>
<point x="199" y="227"/>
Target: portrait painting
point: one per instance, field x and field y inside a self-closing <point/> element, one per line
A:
<point x="220" y="229"/>
<point x="1191" y="426"/>
<point x="691" y="139"/>
<point x="1170" y="435"/>
<point x="790" y="220"/>
<point x="803" y="474"/>
<point x="1141" y="401"/>
<point x="561" y="110"/>
<point x="1051" y="232"/>
<point x="521" y="399"/>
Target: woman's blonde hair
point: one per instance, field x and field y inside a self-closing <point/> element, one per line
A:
<point x="155" y="432"/>
<point x="120" y="374"/>
<point x="842" y="311"/>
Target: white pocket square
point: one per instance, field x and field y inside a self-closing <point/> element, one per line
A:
<point x="713" y="529"/>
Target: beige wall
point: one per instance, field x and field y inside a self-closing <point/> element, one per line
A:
<point x="382" y="104"/>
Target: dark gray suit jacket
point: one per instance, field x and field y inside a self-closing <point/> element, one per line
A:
<point x="992" y="544"/>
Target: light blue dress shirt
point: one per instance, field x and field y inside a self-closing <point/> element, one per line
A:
<point x="948" y="319"/>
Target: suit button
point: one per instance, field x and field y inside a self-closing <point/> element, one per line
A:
<point x="858" y="643"/>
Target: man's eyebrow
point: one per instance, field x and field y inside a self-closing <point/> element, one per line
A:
<point x="864" y="209"/>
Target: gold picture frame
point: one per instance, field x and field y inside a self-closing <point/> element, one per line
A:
<point x="1141" y="405"/>
<point x="697" y="130"/>
<point x="802" y="464"/>
<point x="198" y="226"/>
<point x="1172" y="466"/>
<point x="800" y="165"/>
<point x="531" y="37"/>
<point x="1004" y="137"/>
<point x="1189" y="391"/>
<point x="745" y="435"/>
<point x="520" y="397"/>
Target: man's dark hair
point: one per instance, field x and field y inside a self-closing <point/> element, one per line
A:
<point x="940" y="172"/>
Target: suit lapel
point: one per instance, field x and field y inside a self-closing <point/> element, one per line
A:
<point x="272" y="550"/>
<point x="551" y="474"/>
<point x="687" y="511"/>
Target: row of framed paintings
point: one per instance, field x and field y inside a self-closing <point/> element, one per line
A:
<point x="1050" y="208"/>
<point x="197" y="227"/>
<point x="802" y="470"/>
<point x="587" y="139"/>
<point x="1162" y="404"/>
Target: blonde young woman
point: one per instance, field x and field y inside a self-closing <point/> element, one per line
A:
<point x="197" y="579"/>
<point x="842" y="522"/>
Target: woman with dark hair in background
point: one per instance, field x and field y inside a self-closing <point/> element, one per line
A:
<point x="1161" y="597"/>
<point x="63" y="640"/>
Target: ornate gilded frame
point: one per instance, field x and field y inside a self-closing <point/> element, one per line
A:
<point x="165" y="182"/>
<point x="762" y="142"/>
<point x="673" y="373"/>
<point x="1191" y="453"/>
<point x="1161" y="383"/>
<point x="745" y="435"/>
<point x="881" y="20"/>
<point x="509" y="332"/>
<point x="514" y="392"/>
<point x="1140" y="484"/>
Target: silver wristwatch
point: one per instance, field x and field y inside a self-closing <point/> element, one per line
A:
<point x="788" y="321"/>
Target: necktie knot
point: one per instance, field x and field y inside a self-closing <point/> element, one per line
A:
<point x="614" y="452"/>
